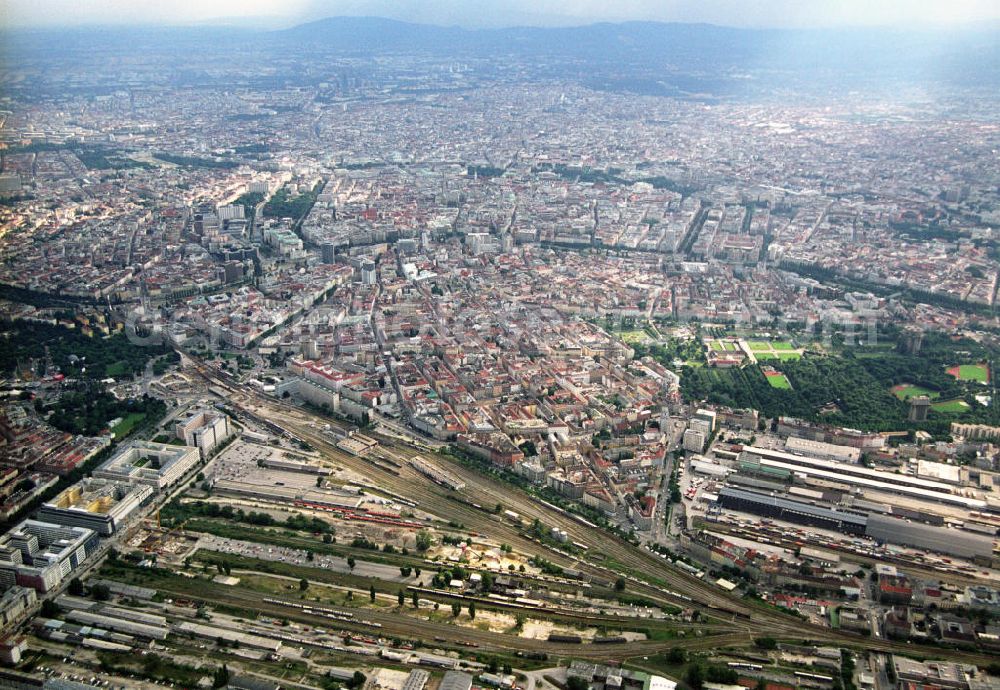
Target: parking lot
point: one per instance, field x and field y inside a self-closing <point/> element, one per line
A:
<point x="283" y="554"/>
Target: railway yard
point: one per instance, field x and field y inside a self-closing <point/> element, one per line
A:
<point x="308" y="542"/>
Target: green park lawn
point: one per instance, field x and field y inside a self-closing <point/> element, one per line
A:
<point x="632" y="337"/>
<point x="123" y="427"/>
<point x="723" y="346"/>
<point x="780" y="349"/>
<point x="117" y="369"/>
<point x="783" y="356"/>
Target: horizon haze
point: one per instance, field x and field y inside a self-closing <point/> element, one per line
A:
<point x="487" y="14"/>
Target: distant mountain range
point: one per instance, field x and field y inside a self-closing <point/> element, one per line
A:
<point x="639" y="57"/>
<point x="685" y="45"/>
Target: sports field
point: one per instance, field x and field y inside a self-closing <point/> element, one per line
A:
<point x="956" y="406"/>
<point x="905" y="391"/>
<point x="971" y="372"/>
<point x="778" y="380"/>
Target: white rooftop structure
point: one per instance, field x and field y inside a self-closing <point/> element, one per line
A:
<point x="158" y="465"/>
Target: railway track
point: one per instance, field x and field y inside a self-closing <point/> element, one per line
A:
<point x="548" y="611"/>
<point x="430" y="496"/>
<point x="647" y="571"/>
<point x="393" y="625"/>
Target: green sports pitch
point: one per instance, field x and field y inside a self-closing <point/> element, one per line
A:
<point x="950" y="406"/>
<point x="905" y="391"/>
<point x="971" y="372"/>
<point x="778" y="381"/>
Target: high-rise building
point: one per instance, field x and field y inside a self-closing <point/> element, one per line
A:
<point x="204" y="430"/>
<point x="230" y="212"/>
<point x="329" y="252"/>
<point x="919" y="406"/>
<point x="309" y="348"/>
<point x="911" y="340"/>
<point x="40" y="554"/>
<point x="368" y="275"/>
<point x="694" y="440"/>
<point x="232" y="271"/>
<point x="709" y="416"/>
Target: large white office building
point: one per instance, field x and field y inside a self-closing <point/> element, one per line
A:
<point x="157" y="465"/>
<point x="204" y="430"/>
<point x="40" y="554"/>
<point x="102" y="505"/>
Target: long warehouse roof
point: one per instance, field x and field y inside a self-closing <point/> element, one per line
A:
<point x="847" y="468"/>
<point x="940" y="539"/>
<point x="789" y="504"/>
<point x="888" y="487"/>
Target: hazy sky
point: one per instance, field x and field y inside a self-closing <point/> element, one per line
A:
<point x="472" y="13"/>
